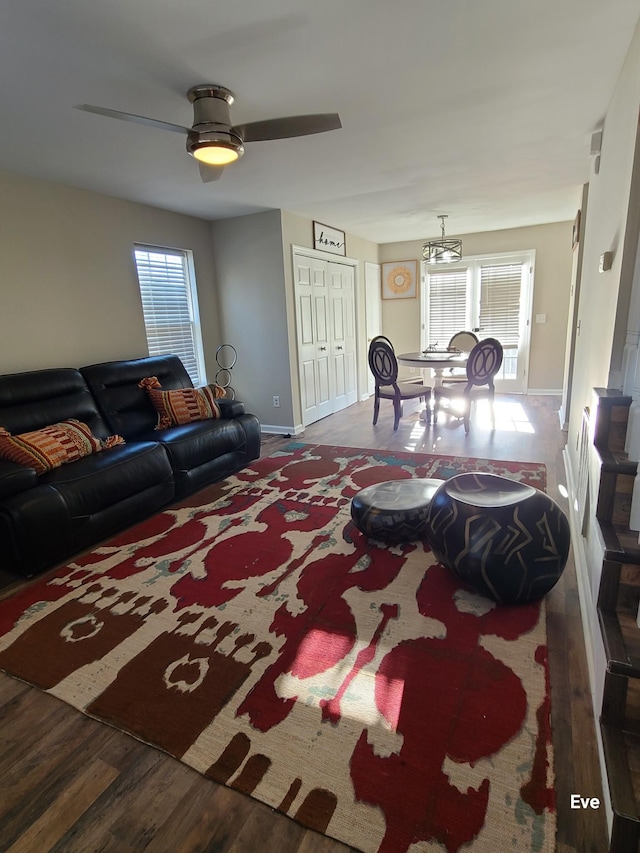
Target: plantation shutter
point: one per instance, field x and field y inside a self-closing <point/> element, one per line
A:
<point x="165" y="289"/>
<point x="500" y="303"/>
<point x="447" y="307"/>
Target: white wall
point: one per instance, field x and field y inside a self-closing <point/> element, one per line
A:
<point x="69" y="293"/>
<point x="611" y="224"/>
<point x="603" y="295"/>
<point x="552" y="244"/>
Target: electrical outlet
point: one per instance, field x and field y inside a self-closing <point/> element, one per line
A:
<point x="276" y="401"/>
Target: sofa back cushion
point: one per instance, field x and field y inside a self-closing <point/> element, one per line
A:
<point x="125" y="406"/>
<point x="39" y="398"/>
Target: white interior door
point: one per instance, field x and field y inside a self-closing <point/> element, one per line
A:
<point x="326" y="331"/>
<point x="343" y="334"/>
<point x="313" y="323"/>
<point x="373" y="313"/>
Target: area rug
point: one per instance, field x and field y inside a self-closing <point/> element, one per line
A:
<point x="264" y="641"/>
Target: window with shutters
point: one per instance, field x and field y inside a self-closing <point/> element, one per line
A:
<point x="447" y="306"/>
<point x="170" y="306"/>
<point x="490" y="295"/>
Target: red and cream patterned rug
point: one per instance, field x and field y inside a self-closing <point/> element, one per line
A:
<point x="262" y="640"/>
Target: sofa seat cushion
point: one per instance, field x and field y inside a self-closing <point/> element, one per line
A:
<point x="196" y="444"/>
<point x="94" y="483"/>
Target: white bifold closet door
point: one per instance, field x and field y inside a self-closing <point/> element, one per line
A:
<point x="326" y="328"/>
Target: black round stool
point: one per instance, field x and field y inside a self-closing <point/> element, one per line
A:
<point x="507" y="540"/>
<point x="394" y="511"/>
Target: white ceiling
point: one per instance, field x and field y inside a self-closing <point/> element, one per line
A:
<point x="480" y="109"/>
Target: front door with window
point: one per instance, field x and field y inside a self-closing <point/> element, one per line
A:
<point x="489" y="295"/>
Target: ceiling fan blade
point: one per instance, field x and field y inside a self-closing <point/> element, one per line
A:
<point x="285" y="128"/>
<point x="150" y="122"/>
<point x="210" y="173"/>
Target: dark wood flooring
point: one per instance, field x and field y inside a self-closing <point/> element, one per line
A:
<point x="70" y="784"/>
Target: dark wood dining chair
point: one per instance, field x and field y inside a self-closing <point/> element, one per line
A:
<point x="384" y="366"/>
<point x="484" y="362"/>
<point x="382" y="338"/>
<point x="414" y="380"/>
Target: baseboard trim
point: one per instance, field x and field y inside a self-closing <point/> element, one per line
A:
<point x="277" y="429"/>
<point x="582" y="570"/>
<point x="584" y="596"/>
<point x="546" y="392"/>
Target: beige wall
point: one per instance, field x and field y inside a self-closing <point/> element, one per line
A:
<point x="70" y="294"/>
<point x="68" y="286"/>
<point x="552" y="245"/>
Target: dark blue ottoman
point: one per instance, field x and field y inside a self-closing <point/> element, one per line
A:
<point x="507" y="540"/>
<point x="394" y="511"/>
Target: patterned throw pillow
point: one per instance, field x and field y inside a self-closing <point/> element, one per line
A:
<point x="52" y="446"/>
<point x="183" y="405"/>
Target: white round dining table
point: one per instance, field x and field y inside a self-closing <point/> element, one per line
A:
<point x="437" y="362"/>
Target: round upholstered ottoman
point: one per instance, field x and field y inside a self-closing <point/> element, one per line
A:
<point x="507" y="540"/>
<point x="395" y="511"/>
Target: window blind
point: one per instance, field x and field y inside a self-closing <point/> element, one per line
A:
<point x="500" y="302"/>
<point x="167" y="304"/>
<point x="447" y="311"/>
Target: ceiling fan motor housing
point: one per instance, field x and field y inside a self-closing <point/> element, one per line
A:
<point x="211" y="119"/>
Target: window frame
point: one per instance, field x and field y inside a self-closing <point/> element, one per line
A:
<point x="154" y="345"/>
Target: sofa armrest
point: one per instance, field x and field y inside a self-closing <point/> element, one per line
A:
<point x="251" y="426"/>
<point x="15" y="478"/>
<point x="230" y="408"/>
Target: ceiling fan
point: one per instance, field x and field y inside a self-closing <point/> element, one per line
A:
<point x="213" y="140"/>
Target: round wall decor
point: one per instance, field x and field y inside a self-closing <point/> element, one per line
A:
<point x="399" y="280"/>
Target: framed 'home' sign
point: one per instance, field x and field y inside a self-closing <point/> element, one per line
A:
<point x="329" y="239"/>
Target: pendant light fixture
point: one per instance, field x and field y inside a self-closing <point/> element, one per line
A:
<point x="446" y="250"/>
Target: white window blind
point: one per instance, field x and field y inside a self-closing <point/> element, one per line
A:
<point x="167" y="288"/>
<point x="447" y="305"/>
<point x="500" y="302"/>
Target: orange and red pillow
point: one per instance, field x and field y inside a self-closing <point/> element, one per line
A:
<point x="48" y="448"/>
<point x="183" y="405"/>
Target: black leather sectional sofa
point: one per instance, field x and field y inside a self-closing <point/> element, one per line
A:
<point x="45" y="519"/>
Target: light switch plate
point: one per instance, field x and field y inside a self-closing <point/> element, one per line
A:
<point x="541" y="318"/>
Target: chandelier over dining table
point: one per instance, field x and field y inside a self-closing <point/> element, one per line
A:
<point x="446" y="250"/>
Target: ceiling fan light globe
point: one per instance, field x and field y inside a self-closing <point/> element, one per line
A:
<point x="214" y="147"/>
<point x="216" y="153"/>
